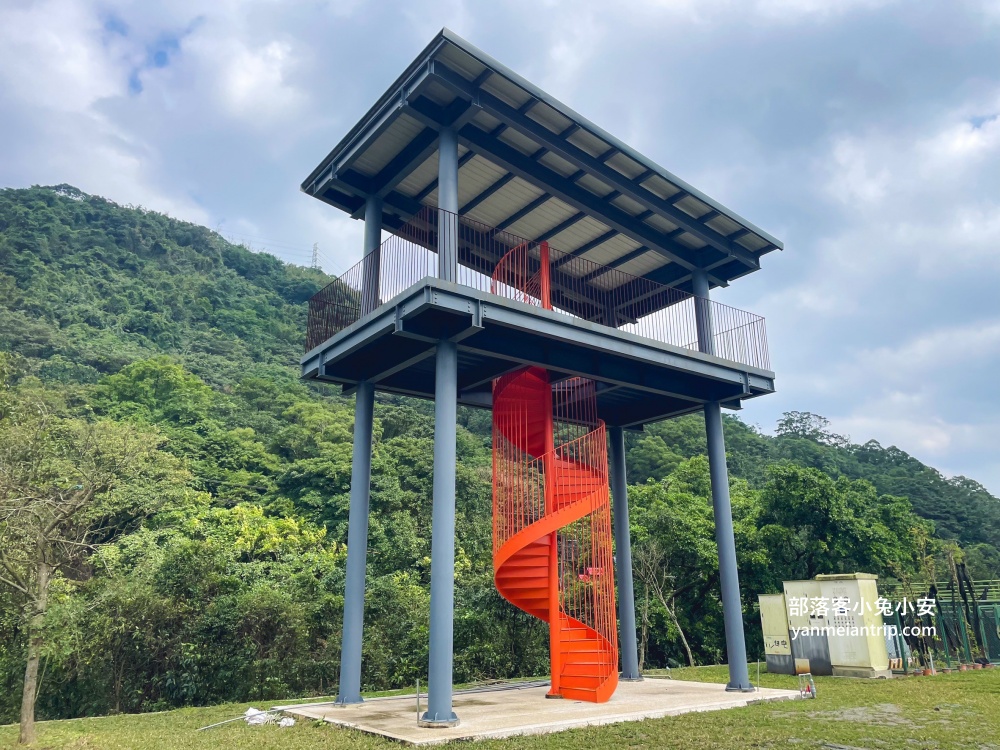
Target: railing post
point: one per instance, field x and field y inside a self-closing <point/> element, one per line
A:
<point x="372" y="259"/>
<point x="448" y="205"/>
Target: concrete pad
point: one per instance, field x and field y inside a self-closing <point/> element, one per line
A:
<point x="517" y="711"/>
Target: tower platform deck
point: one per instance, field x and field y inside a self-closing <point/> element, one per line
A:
<point x="639" y="379"/>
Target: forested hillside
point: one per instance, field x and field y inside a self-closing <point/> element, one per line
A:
<point x="218" y="570"/>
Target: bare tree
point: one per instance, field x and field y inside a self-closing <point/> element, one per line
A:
<point x="66" y="486"/>
<point x="649" y="561"/>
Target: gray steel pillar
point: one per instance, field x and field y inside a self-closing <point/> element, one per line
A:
<point x="439" y="674"/>
<point x="623" y="558"/>
<point x="357" y="546"/>
<point x="448" y="205"/>
<point x="372" y="257"/>
<point x="729" y="579"/>
<point x="703" y="311"/>
<point x="732" y="606"/>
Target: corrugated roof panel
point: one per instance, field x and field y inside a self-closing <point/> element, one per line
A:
<point x="461" y="61"/>
<point x="644" y="264"/>
<point x="588" y="142"/>
<point x="692" y="206"/>
<point x="660" y="187"/>
<point x="629" y="206"/>
<point x="660" y="224"/>
<point x="689" y="240"/>
<point x="626" y="166"/>
<point x="391" y="142"/>
<point x="477" y="175"/>
<point x="510" y="93"/>
<point x="557" y="164"/>
<point x="485" y="121"/>
<point x="611" y="250"/>
<point x="439" y="94"/>
<point x="753" y="242"/>
<point x="519" y="141"/>
<point x="546" y="116"/>
<point x="548" y="215"/>
<point x="579" y="234"/>
<point x="511" y="198"/>
<point x="723" y="225"/>
<point x="594" y="185"/>
<point x="420" y="177"/>
<point x="606" y="281"/>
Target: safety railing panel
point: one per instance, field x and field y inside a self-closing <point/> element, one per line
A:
<point x="495" y="261"/>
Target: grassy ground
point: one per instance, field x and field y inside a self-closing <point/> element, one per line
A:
<point x="960" y="710"/>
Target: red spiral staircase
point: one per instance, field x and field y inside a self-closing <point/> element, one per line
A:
<point x="552" y="548"/>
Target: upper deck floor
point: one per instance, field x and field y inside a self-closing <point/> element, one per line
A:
<point x="655" y="351"/>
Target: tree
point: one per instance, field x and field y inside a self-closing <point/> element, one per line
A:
<point x="650" y="564"/>
<point x="66" y="486"/>
<point x="804" y="424"/>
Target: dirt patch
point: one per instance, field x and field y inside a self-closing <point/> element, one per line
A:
<point x="881" y="714"/>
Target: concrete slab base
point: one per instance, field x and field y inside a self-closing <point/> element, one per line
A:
<point x="508" y="712"/>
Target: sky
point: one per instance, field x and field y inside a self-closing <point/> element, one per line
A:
<point x="865" y="134"/>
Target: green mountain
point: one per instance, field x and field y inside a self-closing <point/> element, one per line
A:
<point x="229" y="585"/>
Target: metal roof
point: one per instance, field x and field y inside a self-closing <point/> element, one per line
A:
<point x="531" y="165"/>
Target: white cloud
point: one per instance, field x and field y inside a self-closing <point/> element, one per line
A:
<point x="869" y="144"/>
<point x="51" y="56"/>
<point x="792" y="11"/>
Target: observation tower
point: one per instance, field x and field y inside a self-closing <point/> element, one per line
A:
<point x="536" y="266"/>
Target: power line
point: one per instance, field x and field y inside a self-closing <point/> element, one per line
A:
<point x="316" y="254"/>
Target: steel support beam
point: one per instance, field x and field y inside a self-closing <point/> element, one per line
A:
<point x="596" y="166"/>
<point x="572" y="194"/>
<point x="439" y="674"/>
<point x="729" y="578"/>
<point x="703" y="312"/>
<point x="372" y="258"/>
<point x="448" y="203"/>
<point x="357" y="547"/>
<point x="623" y="557"/>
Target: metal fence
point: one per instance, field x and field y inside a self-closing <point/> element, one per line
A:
<point x="579" y="288"/>
<point x="966" y="633"/>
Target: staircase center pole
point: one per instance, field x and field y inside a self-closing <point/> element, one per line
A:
<point x="623" y="561"/>
<point x="548" y="466"/>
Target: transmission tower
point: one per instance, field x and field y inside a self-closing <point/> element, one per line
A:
<point x="315" y="260"/>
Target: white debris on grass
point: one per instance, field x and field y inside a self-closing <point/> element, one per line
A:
<point x="255" y="717"/>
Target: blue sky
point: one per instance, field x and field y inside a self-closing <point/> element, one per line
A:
<point x="864" y="133"/>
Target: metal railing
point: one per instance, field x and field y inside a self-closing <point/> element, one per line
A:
<point x="578" y="287"/>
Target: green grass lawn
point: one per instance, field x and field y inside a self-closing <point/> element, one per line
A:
<point x="956" y="710"/>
